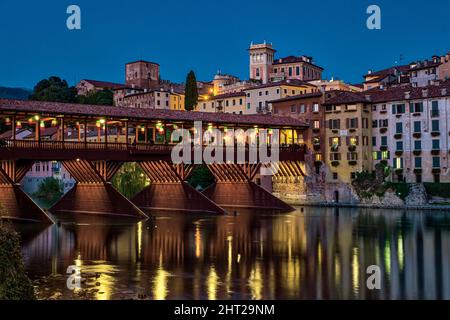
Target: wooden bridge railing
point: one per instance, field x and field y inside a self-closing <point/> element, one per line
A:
<point x="48" y="145"/>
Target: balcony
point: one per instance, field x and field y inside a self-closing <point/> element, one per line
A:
<point x="398" y="136"/>
<point x="435" y="152"/>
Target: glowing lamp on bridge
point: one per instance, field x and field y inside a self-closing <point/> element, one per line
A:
<point x="18" y="124"/>
<point x="54" y="123"/>
<point x="42" y="124"/>
<point x="142" y="129"/>
<point x="36" y="117"/>
<point x="8" y="121"/>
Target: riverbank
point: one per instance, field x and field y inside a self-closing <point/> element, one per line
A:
<point x="375" y="206"/>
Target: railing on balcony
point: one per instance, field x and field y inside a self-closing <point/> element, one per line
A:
<point x="80" y="145"/>
<point x="49" y="145"/>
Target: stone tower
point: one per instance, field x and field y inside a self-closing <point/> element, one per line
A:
<point x="261" y="59"/>
<point x="142" y="74"/>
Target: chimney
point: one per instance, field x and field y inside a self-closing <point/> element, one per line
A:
<point x="407" y="95"/>
<point x="444" y="91"/>
<point x="425" y="93"/>
<point x="369" y="72"/>
<point x="367" y="96"/>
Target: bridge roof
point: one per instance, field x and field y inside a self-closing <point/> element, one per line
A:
<point x="92" y="111"/>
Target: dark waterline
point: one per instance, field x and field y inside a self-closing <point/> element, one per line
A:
<point x="313" y="253"/>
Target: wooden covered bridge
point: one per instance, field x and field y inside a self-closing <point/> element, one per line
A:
<point x="92" y="142"/>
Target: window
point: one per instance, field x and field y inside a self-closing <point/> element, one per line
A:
<point x="248" y="105"/>
<point x="436" y="162"/>
<point x="267" y="92"/>
<point x="416" y="107"/>
<point x="417" y="126"/>
<point x="315" y="107"/>
<point x="374" y="124"/>
<point x="418" y="162"/>
<point x="260" y="93"/>
<point x="297" y="70"/>
<point x="384" y="141"/>
<point x="353" y="175"/>
<point x="335" y="124"/>
<point x="353" y="141"/>
<point x="352" y="123"/>
<point x="240" y="101"/>
<point x="398" y="163"/>
<point x="399" y="146"/>
<point x="293" y="109"/>
<point x="293" y="91"/>
<point x="316" y="124"/>
<point x="436" y="144"/>
<point x="234" y="102"/>
<point x="418" y="145"/>
<point x="335" y="175"/>
<point x="399" y="127"/>
<point x="278" y="91"/>
<point x="435" y="109"/>
<point x="290" y="71"/>
<point x="374" y="141"/>
<point x="317" y="157"/>
<point x="384" y="123"/>
<point x="398" y="108"/>
<point x="435" y="125"/>
<point x="437" y="178"/>
<point x="302" y="108"/>
<point x="257" y="72"/>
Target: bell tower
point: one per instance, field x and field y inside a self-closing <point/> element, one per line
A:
<point x="261" y="59"/>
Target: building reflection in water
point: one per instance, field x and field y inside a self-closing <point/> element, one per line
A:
<point x="316" y="253"/>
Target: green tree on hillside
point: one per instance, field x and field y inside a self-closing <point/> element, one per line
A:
<point x="191" y="92"/>
<point x="54" y="89"/>
<point x="104" y="97"/>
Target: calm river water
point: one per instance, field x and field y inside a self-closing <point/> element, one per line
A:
<point x="312" y="253"/>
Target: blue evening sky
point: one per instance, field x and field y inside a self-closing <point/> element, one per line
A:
<point x="209" y="35"/>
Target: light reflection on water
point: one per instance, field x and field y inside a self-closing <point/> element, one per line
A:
<point x="313" y="253"/>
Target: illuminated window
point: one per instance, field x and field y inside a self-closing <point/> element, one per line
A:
<point x="318" y="157"/>
<point x="316" y="124"/>
<point x="384" y="155"/>
<point x="353" y="141"/>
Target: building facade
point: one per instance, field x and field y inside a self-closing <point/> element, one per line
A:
<point x="348" y="134"/>
<point x="258" y="98"/>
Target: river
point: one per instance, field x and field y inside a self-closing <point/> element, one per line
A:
<point x="312" y="253"/>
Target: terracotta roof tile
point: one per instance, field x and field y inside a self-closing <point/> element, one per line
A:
<point x="71" y="109"/>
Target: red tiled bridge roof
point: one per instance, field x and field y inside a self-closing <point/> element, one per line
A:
<point x="82" y="110"/>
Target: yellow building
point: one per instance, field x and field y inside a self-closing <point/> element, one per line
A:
<point x="348" y="136"/>
<point x="176" y="101"/>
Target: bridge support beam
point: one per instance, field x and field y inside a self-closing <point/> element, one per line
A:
<point x="169" y="191"/>
<point x="93" y="193"/>
<point x="15" y="204"/>
<point x="234" y="187"/>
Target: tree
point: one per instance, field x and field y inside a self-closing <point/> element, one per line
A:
<point x="190" y="92"/>
<point x="54" y="89"/>
<point x="14" y="283"/>
<point x="50" y="190"/>
<point x="201" y="177"/>
<point x="103" y="97"/>
<point x="129" y="180"/>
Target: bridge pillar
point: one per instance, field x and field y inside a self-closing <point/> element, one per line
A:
<point x="234" y="187"/>
<point x="93" y="193"/>
<point x="169" y="191"/>
<point x="15" y="204"/>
